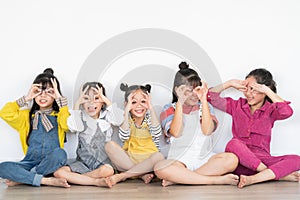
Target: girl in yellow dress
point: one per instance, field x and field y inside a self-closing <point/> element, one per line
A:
<point x="139" y="133"/>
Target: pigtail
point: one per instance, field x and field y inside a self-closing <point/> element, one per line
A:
<point x="148" y="88"/>
<point x="124" y="87"/>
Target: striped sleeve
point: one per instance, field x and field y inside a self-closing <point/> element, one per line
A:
<point x="155" y="132"/>
<point x="61" y="102"/>
<point x="124" y="134"/>
<point x="166" y="118"/>
<point x="21" y="101"/>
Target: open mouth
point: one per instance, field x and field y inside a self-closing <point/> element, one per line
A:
<point x="92" y="108"/>
<point x="43" y="101"/>
<point x="139" y="111"/>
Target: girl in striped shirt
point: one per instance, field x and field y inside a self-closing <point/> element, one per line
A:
<point x="139" y="133"/>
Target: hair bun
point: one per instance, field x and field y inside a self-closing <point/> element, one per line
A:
<point x="124" y="87"/>
<point x="183" y="65"/>
<point x="48" y="71"/>
<point x="148" y="87"/>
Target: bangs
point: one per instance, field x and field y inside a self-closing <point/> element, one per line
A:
<point x="44" y="81"/>
<point x="193" y="81"/>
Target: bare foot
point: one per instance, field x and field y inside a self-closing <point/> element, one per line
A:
<point x="166" y="183"/>
<point x="106" y="182"/>
<point x="147" y="178"/>
<point x="52" y="181"/>
<point x="295" y="176"/>
<point x="244" y="181"/>
<point x="230" y="179"/>
<point x="114" y="179"/>
<point x="10" y="183"/>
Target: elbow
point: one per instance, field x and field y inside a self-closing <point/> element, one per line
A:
<point x="175" y="134"/>
<point x="207" y="132"/>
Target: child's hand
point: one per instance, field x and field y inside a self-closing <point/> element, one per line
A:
<point x="53" y="92"/>
<point x="33" y="92"/>
<point x="201" y="91"/>
<point x="181" y="93"/>
<point x="130" y="102"/>
<point x="259" y="88"/>
<point x="147" y="104"/>
<point x="99" y="97"/>
<point x="238" y="84"/>
<point x="83" y="98"/>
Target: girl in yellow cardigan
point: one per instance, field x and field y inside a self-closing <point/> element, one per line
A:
<point x="42" y="132"/>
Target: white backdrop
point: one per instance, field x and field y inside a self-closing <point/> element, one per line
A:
<point x="237" y="35"/>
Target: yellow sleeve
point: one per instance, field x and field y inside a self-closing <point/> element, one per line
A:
<point x="62" y="124"/>
<point x="16" y="118"/>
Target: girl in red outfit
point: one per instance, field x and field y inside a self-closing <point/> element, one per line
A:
<point x="252" y="120"/>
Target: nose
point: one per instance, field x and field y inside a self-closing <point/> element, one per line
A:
<point x="43" y="93"/>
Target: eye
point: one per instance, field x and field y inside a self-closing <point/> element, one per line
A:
<point x="97" y="98"/>
<point x="36" y="91"/>
<point x="86" y="98"/>
<point x="143" y="101"/>
<point x="134" y="102"/>
<point x="51" y="92"/>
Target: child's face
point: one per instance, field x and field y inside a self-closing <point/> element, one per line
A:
<point x="139" y="104"/>
<point x="93" y="104"/>
<point x="253" y="97"/>
<point x="192" y="98"/>
<point x="44" y="100"/>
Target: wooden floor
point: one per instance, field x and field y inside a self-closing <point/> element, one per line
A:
<point x="136" y="189"/>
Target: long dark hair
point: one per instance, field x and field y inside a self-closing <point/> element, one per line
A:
<point x="129" y="89"/>
<point x="185" y="76"/>
<point x="94" y="84"/>
<point x="263" y="76"/>
<point x="44" y="79"/>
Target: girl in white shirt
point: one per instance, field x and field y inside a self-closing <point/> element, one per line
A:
<point x="92" y="118"/>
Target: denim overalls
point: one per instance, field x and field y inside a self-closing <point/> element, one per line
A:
<point x="44" y="156"/>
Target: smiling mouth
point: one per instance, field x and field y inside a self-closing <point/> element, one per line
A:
<point x="139" y="111"/>
<point x="42" y="101"/>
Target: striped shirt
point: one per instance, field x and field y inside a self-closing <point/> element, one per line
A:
<point x="155" y="131"/>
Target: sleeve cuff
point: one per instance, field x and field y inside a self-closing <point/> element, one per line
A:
<point x="21" y="101"/>
<point x="61" y="102"/>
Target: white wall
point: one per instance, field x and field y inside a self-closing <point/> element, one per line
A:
<point x="236" y="35"/>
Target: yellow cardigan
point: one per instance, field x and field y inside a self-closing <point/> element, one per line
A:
<point x="19" y="120"/>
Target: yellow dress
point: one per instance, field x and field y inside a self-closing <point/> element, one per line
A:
<point x="140" y="145"/>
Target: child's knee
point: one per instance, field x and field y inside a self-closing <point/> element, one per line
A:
<point x="233" y="145"/>
<point x="4" y="167"/>
<point x="61" y="172"/>
<point x="231" y="161"/>
<point x="156" y="157"/>
<point x="60" y="155"/>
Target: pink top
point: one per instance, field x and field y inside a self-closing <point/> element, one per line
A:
<point x="253" y="129"/>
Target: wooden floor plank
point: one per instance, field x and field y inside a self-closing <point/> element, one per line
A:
<point x="136" y="189"/>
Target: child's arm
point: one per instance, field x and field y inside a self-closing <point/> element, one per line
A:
<point x="124" y="131"/>
<point x="14" y="116"/>
<point x="155" y="126"/>
<point x="177" y="122"/>
<point x="207" y="122"/>
<point x="237" y="84"/>
<point x="74" y="121"/>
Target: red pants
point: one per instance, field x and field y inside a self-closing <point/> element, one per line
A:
<point x="249" y="160"/>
